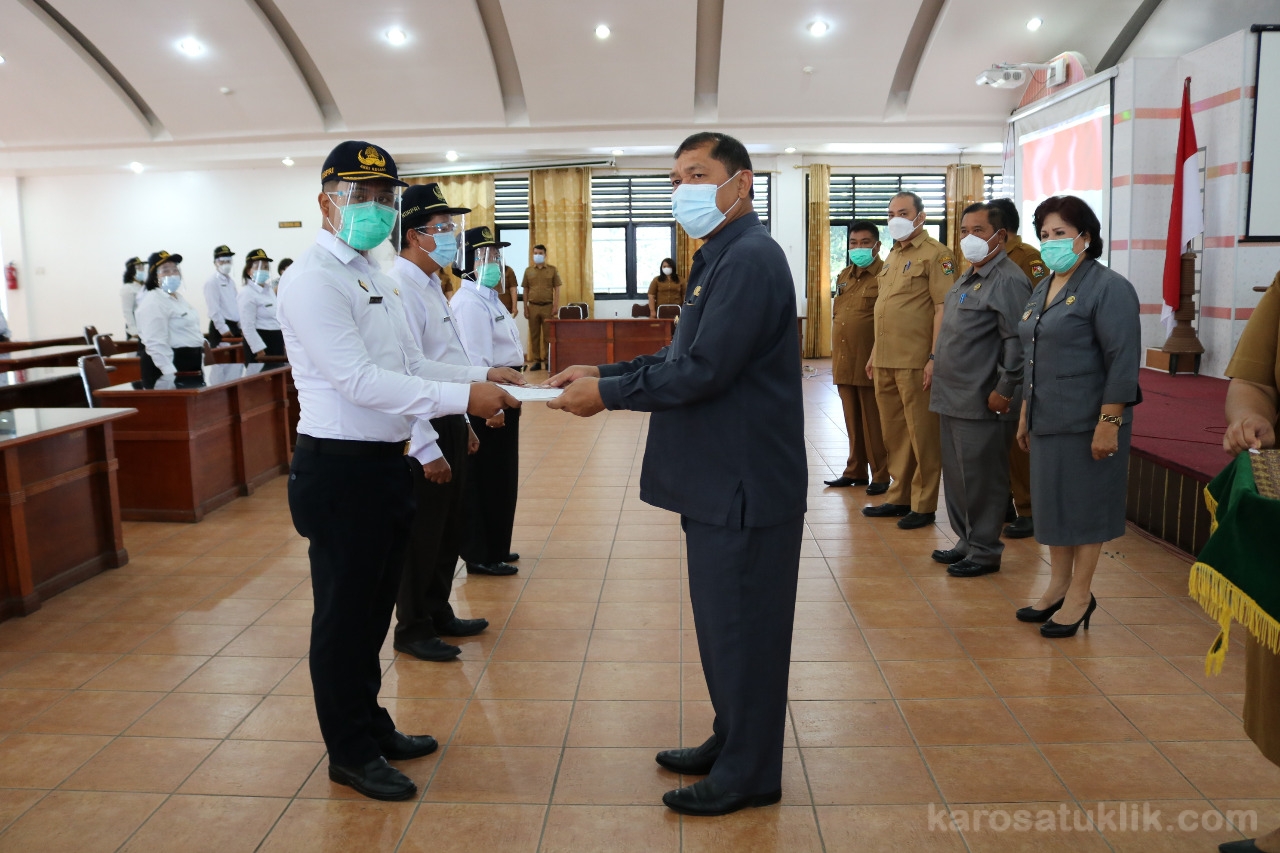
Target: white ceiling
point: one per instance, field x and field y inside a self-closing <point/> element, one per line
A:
<point x="579" y="96"/>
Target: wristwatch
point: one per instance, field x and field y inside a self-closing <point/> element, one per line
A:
<point x="1111" y="419"/>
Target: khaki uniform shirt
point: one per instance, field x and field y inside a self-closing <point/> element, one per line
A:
<point x="666" y="292"/>
<point x="1257" y="356"/>
<point x="915" y="278"/>
<point x="540" y="284"/>
<point x="853" y="323"/>
<point x="508" y="297"/>
<point x="1027" y="259"/>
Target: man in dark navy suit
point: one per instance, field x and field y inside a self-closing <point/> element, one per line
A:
<point x="726" y="451"/>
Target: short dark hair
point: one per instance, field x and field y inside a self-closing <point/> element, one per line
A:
<point x="915" y="200"/>
<point x="995" y="217"/>
<point x="128" y="271"/>
<point x="284" y="264"/>
<point x="1009" y="210"/>
<point x="725" y="150"/>
<point x="669" y="262"/>
<point x="859" y="225"/>
<point x="1076" y="213"/>
<point x="540" y="246"/>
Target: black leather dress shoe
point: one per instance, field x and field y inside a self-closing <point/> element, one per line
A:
<point x="947" y="557"/>
<point x="1020" y="529"/>
<point x="705" y="799"/>
<point x="495" y="569"/>
<point x="1010" y="513"/>
<point x="433" y="649"/>
<point x="877" y="488"/>
<point x="377" y="780"/>
<point x="403" y="747"/>
<point x="886" y="511"/>
<point x="840" y="482"/>
<point x="913" y="520"/>
<point x="967" y="568"/>
<point x="462" y="627"/>
<point x="692" y="760"/>
<point x="513" y="557"/>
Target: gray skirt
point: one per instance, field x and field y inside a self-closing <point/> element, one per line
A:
<point x="1075" y="499"/>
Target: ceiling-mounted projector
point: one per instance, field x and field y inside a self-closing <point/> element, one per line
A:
<point x="1002" y="77"/>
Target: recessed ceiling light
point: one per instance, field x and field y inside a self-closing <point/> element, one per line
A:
<point x="288" y="161"/>
<point x="136" y="167"/>
<point x="602" y="32"/>
<point x="788" y="150"/>
<point x="818" y="29"/>
<point x="1035" y="24"/>
<point x="1" y="60"/>
<point x="191" y="47"/>
<point x="451" y="156"/>
<point x="225" y="90"/>
<point x="618" y="152"/>
<point x="397" y="36"/>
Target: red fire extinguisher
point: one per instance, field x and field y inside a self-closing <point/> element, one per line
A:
<point x="11" y="276"/>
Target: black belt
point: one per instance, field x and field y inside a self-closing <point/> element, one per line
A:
<point x="539" y="303"/>
<point x="343" y="447"/>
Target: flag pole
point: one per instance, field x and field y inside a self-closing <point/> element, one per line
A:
<point x="1186" y="221"/>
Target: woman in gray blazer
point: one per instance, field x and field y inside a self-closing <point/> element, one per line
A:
<point x="1082" y="340"/>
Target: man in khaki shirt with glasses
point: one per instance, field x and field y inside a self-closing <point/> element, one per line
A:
<point x="913" y="285"/>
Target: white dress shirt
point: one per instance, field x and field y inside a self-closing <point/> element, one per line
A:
<point x="487" y="328"/>
<point x="165" y="323"/>
<point x="129" y="294"/>
<point x="257" y="304"/>
<point x="5" y="332"/>
<point x="358" y="371"/>
<point x="220" y="299"/>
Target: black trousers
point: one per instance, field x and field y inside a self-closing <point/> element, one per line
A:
<point x="357" y="512"/>
<point x="215" y="337"/>
<point x="492" y="484"/>
<point x="185" y="359"/>
<point x="273" y="338"/>
<point x="742" y="585"/>
<point x="435" y="541"/>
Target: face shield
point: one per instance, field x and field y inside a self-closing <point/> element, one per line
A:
<point x="368" y="213"/>
<point x="260" y="272"/>
<point x="140" y="273"/>
<point x="447" y="235"/>
<point x="488" y="270"/>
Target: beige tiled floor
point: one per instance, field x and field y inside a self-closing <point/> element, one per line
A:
<point x="165" y="706"/>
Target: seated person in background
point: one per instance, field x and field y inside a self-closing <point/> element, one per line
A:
<point x="135" y="276"/>
<point x="167" y="323"/>
<point x="257" y="303"/>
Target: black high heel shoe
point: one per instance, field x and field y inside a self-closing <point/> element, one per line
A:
<point x="1054" y="630"/>
<point x="1030" y="614"/>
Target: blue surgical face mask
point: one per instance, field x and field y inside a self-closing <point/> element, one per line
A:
<point x="171" y="283"/>
<point x="694" y="207"/>
<point x="861" y="257"/>
<point x="490" y="275"/>
<point x="261" y="276"/>
<point x="446" y="250"/>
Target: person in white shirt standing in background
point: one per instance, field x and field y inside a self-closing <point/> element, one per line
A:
<point x="358" y="372"/>
<point x="491" y="338"/>
<point x="428" y="241"/>
<point x="168" y="325"/>
<point x="135" y="277"/>
<point x="220" y="298"/>
<point x="256" y="302"/>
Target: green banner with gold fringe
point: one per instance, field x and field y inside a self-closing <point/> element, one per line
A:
<point x="1237" y="575"/>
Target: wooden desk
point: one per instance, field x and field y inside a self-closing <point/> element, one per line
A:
<point x="59" y="505"/>
<point x="42" y="388"/>
<point x="605" y="341"/>
<point x="194" y="447"/>
<point x="59" y="356"/>
<point x="70" y="340"/>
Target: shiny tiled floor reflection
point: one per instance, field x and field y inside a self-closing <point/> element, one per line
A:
<point x="165" y="706"/>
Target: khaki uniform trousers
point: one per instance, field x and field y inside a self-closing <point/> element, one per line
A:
<point x="866" y="442"/>
<point x="912" y="438"/>
<point x="538" y="317"/>
<point x="1020" y="479"/>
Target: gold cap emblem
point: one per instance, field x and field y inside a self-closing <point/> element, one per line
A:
<point x="436" y="190"/>
<point x="486" y="234"/>
<point x="371" y="159"/>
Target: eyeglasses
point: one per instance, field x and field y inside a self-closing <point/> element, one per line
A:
<point x="438" y="228"/>
<point x="361" y="195"/>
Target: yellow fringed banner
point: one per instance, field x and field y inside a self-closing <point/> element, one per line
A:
<point x="1224" y="601"/>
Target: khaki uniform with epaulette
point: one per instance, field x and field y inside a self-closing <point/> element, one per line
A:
<point x="1029" y="261"/>
<point x="540" y="286"/>
<point x="852" y="334"/>
<point x="913" y="283"/>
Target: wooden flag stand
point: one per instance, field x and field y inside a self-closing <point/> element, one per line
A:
<point x="1182" y="340"/>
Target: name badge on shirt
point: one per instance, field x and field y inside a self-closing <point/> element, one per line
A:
<point x="375" y="300"/>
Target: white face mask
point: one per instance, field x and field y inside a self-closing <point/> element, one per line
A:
<point x="974" y="248"/>
<point x="900" y="228"/>
<point x="539" y="259"/>
<point x="223" y="267"/>
<point x="667" y="270"/>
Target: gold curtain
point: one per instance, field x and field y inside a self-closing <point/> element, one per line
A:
<point x="817" y="329"/>
<point x="964" y="187"/>
<point x="560" y="219"/>
<point x="473" y="191"/>
<point x="686" y="246"/>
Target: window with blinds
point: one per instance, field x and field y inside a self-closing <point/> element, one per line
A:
<point x="617" y="199"/>
<point x="511" y="202"/>
<point x="868" y="196"/>
<point x="993" y="187"/>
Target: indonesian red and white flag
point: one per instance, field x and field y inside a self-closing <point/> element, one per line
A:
<point x="1186" y="215"/>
